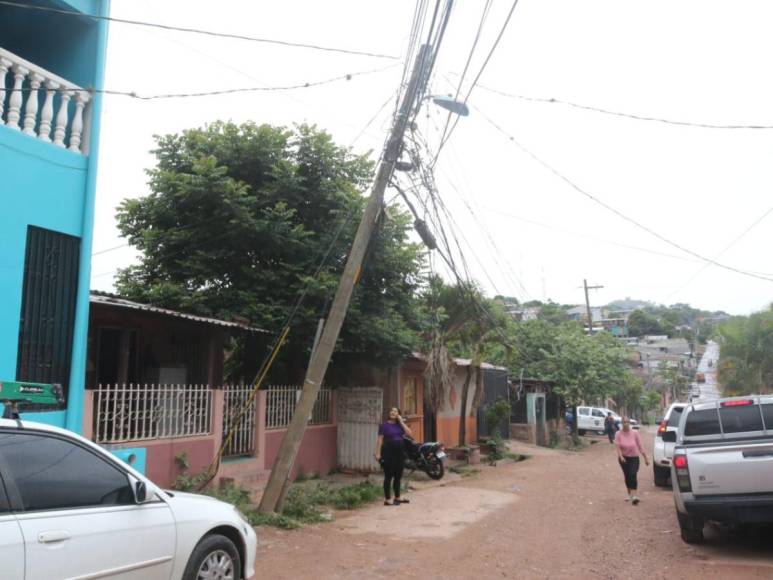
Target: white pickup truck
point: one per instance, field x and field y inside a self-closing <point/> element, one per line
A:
<point x="722" y="469"/>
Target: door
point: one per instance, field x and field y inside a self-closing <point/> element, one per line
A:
<point x="584" y="420"/>
<point x="359" y="415"/>
<point x="11" y="542"/>
<point x="77" y="512"/>
<point x="539" y="414"/>
<point x="598" y="416"/>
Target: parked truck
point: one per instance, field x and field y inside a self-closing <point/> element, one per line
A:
<point x="722" y="468"/>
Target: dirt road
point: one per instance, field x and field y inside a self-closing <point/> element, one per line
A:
<point x="557" y="515"/>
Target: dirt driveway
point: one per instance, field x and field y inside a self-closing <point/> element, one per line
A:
<point x="556" y="515"/>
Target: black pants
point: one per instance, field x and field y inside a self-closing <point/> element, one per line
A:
<point x="393" y="462"/>
<point x="611" y="435"/>
<point x="630" y="468"/>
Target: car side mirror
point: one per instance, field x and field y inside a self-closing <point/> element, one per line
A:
<point x="669" y="436"/>
<point x="140" y="492"/>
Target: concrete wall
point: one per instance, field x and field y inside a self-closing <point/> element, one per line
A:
<point x="46" y="186"/>
<point x="449" y="415"/>
<point x="524" y="432"/>
<point x="317" y="455"/>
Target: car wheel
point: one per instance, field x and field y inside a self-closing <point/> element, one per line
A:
<point x="661" y="475"/>
<point x="691" y="528"/>
<point x="214" y="558"/>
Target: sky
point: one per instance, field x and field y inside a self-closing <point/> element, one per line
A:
<point x="528" y="228"/>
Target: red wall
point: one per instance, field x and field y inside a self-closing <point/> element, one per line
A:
<point x="316" y="456"/>
<point x="160" y="464"/>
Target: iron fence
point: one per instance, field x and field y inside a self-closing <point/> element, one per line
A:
<point x="141" y="412"/>
<point x="243" y="439"/>
<point x="282" y="399"/>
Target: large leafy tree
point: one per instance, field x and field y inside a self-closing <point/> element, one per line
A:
<point x="746" y="354"/>
<point x="237" y="222"/>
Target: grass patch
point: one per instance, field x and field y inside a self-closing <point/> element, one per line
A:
<point x="516" y="457"/>
<point x="306" y="503"/>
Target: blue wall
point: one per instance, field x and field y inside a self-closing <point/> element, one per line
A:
<point x="47" y="186"/>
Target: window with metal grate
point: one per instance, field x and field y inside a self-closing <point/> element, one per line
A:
<point x="48" y="308"/>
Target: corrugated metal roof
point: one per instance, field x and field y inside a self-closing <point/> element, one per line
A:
<point x="460" y="362"/>
<point x="112" y="300"/>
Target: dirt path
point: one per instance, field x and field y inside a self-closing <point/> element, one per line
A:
<point x="556" y="515"/>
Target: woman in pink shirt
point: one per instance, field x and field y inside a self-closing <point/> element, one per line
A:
<point x="629" y="446"/>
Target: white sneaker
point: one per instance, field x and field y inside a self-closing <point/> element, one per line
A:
<point x="634" y="500"/>
<point x="628" y="498"/>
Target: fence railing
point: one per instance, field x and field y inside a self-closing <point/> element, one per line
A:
<point x="42" y="104"/>
<point x="141" y="412"/>
<point x="243" y="439"/>
<point x="282" y="399"/>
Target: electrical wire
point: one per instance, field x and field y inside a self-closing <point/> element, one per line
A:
<point x="81" y="15"/>
<point x="719" y="255"/>
<point x="634" y="116"/>
<point x="477" y="78"/>
<point x="617" y="212"/>
<point x="306" y="85"/>
<point x="486" y="8"/>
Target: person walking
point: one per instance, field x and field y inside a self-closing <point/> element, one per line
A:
<point x="629" y="447"/>
<point x="610" y="427"/>
<point x="390" y="453"/>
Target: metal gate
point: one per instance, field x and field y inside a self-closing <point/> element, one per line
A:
<point x="494" y="388"/>
<point x="359" y="412"/>
<point x="243" y="439"/>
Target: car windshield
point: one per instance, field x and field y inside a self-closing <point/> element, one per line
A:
<point x="673" y="418"/>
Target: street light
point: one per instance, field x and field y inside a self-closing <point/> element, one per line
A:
<point x="452" y="105"/>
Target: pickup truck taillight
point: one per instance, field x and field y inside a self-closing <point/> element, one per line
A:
<point x="682" y="473"/>
<point x="662" y="429"/>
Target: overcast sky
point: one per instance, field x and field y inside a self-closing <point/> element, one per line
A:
<point x="530" y="234"/>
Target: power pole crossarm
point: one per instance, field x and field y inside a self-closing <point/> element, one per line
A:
<point x="272" y="496"/>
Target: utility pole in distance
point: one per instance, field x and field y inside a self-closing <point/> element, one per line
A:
<point x="272" y="496"/>
<point x="587" y="304"/>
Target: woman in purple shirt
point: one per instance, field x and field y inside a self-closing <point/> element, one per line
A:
<point x="390" y="452"/>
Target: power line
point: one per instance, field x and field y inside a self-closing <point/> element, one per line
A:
<point x="486" y="8"/>
<point x="477" y="77"/>
<point x="725" y="249"/>
<point x="634" y="116"/>
<point x="306" y="85"/>
<point x="617" y="212"/>
<point x="197" y="30"/>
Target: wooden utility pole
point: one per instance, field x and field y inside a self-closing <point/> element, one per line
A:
<point x="272" y="496"/>
<point x="587" y="305"/>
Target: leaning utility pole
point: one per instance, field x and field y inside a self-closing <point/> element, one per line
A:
<point x="587" y="305"/>
<point x="272" y="496"/>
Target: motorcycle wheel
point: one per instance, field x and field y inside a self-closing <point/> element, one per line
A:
<point x="435" y="469"/>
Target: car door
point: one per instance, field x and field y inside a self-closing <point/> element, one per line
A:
<point x="584" y="419"/>
<point x="11" y="542"/>
<point x="78" y="513"/>
<point x="597" y="416"/>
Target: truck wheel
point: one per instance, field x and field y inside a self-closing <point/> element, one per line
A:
<point x="581" y="431"/>
<point x="691" y="528"/>
<point x="661" y="475"/>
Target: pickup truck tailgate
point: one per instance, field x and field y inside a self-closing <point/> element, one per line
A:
<point x="731" y="469"/>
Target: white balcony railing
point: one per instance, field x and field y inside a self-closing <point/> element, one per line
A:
<point x="41" y="104"/>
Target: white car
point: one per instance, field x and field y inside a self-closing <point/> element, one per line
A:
<point x="665" y="439"/>
<point x="592" y="419"/>
<point x="70" y="509"/>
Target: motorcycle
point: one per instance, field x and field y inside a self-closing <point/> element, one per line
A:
<point x="428" y="457"/>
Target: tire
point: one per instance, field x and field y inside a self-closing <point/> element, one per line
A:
<point x="602" y="433"/>
<point x="436" y="469"/>
<point x="661" y="475"/>
<point x="581" y="431"/>
<point x="215" y="551"/>
<point x="691" y="528"/>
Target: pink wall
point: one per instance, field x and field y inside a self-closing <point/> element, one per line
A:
<point x="318" y="454"/>
<point x="160" y="464"/>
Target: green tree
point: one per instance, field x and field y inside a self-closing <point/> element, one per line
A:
<point x="674" y="380"/>
<point x="640" y="324"/>
<point x="237" y="221"/>
<point x="746" y="354"/>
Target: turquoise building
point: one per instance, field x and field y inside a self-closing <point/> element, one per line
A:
<point x="52" y="54"/>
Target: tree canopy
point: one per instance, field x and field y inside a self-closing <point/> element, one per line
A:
<point x="238" y="220"/>
<point x="746" y="354"/>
